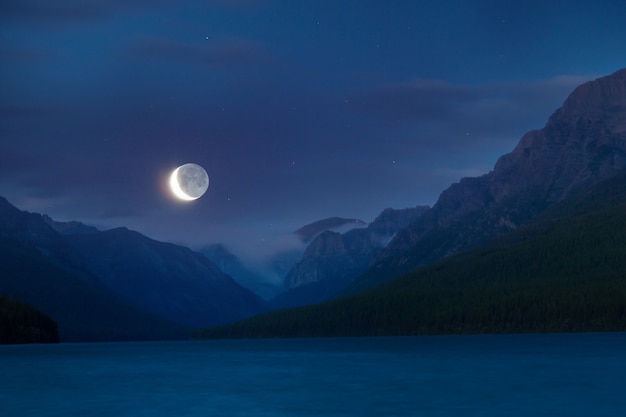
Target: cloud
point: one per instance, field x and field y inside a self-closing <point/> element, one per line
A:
<point x="413" y="101"/>
<point x="221" y="51"/>
<point x="12" y="162"/>
<point x="429" y="100"/>
<point x="473" y="112"/>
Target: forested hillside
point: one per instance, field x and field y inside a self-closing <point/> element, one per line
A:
<point x="564" y="272"/>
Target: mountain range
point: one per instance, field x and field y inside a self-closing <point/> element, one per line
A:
<point x="332" y="260"/>
<point x="115" y="284"/>
<point x="38" y="267"/>
<point x="165" y="279"/>
<point x="565" y="271"/>
<point x="582" y="144"/>
<point x="120" y="285"/>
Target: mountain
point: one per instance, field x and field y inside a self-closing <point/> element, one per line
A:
<point x="165" y="279"/>
<point x="310" y="231"/>
<point x="40" y="268"/>
<point x="332" y="260"/>
<point x="232" y="266"/>
<point x="562" y="272"/>
<point x="583" y="143"/>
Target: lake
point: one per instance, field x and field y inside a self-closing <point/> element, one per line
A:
<point x="485" y="375"/>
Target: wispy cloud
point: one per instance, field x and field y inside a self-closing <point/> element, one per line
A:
<point x="220" y="51"/>
<point x="413" y="101"/>
<point x="472" y="112"/>
<point x="431" y="100"/>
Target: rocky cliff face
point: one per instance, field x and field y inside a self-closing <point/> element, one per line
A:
<point x="583" y="143"/>
<point x="332" y="260"/>
<point x="326" y="256"/>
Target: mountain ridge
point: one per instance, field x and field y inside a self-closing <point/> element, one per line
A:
<point x="332" y="259"/>
<point x="564" y="272"/>
<point x="578" y="147"/>
<point x="166" y="279"/>
<point x="116" y="284"/>
<point x="38" y="267"/>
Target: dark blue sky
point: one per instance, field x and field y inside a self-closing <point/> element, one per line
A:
<point x="298" y="110"/>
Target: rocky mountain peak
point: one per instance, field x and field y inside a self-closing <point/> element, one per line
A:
<point x="333" y="259"/>
<point x="328" y="243"/>
<point x="599" y="98"/>
<point x="390" y="220"/>
<point x="583" y="143"/>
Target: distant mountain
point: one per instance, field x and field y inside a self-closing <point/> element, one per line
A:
<point x="165" y="279"/>
<point x="583" y="143"/>
<point x="562" y="272"/>
<point x="232" y="266"/>
<point x="310" y="231"/>
<point x="332" y="260"/>
<point x="41" y="269"/>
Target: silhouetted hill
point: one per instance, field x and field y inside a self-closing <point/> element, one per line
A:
<point x="565" y="271"/>
<point x="21" y="323"/>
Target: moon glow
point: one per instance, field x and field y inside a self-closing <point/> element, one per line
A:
<point x="189" y="182"/>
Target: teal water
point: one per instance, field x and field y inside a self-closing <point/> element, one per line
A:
<point x="490" y="375"/>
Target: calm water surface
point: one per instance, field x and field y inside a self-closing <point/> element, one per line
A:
<point x="499" y="375"/>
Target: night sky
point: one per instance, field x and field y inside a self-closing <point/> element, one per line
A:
<point x="298" y="110"/>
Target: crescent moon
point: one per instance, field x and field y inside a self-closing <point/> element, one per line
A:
<point x="175" y="187"/>
<point x="189" y="182"/>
